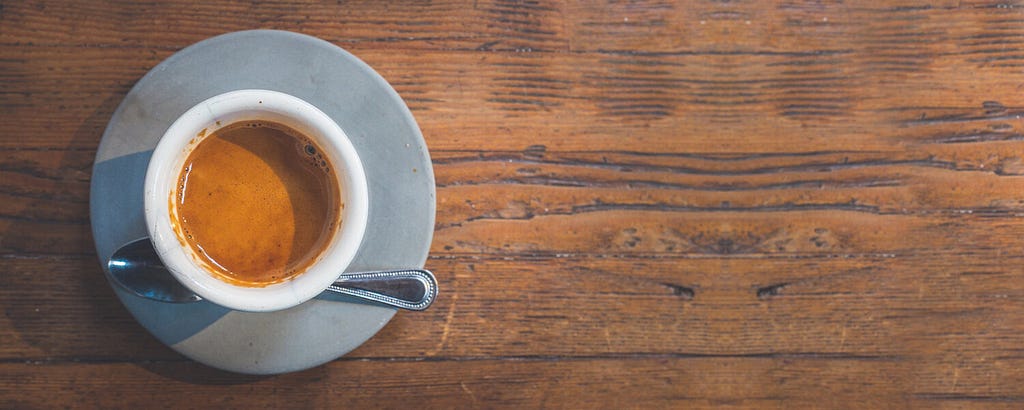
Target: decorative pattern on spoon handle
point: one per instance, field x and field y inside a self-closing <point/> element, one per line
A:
<point x="367" y="286"/>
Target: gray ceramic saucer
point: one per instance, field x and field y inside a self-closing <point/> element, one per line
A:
<point x="398" y="169"/>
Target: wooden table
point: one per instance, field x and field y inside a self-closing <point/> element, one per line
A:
<point x="640" y="204"/>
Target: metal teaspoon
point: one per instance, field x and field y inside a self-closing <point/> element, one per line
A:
<point x="137" y="268"/>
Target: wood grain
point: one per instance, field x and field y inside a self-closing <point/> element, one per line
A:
<point x="640" y="204"/>
<point x="881" y="306"/>
<point x="483" y="383"/>
<point x="852" y="82"/>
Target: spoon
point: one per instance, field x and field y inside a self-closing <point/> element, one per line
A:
<point x="137" y="268"/>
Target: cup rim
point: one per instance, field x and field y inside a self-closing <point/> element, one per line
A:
<point x="226" y="109"/>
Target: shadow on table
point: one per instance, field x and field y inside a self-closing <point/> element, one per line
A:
<point x="192" y="372"/>
<point x="60" y="303"/>
<point x="168" y="363"/>
<point x="76" y="317"/>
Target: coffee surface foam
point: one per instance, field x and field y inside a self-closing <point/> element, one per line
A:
<point x="256" y="202"/>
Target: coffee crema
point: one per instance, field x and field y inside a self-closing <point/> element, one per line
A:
<point x="256" y="202"/>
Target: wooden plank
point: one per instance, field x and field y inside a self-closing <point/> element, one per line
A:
<point x="770" y="382"/>
<point x="44" y="201"/>
<point x="931" y="328"/>
<point x="560" y="26"/>
<point x="932" y="310"/>
<point x="584" y="101"/>
<point x="747" y="332"/>
<point x="589" y="383"/>
<point x="488" y="25"/>
<point x="536" y="201"/>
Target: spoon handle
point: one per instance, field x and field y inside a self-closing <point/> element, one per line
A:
<point x="412" y="289"/>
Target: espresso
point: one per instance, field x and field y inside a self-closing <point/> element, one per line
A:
<point x="257" y="203"/>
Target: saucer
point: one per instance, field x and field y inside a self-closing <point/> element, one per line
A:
<point x="380" y="126"/>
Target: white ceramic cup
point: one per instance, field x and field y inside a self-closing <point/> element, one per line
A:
<point x="223" y="110"/>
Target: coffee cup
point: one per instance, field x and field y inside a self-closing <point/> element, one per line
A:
<point x="255" y="200"/>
